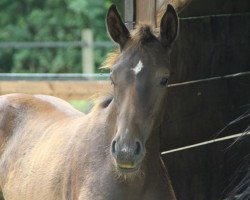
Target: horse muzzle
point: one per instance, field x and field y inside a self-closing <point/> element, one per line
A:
<point x="128" y="155"/>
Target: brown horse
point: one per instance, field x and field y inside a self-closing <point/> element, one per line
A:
<point x="49" y="150"/>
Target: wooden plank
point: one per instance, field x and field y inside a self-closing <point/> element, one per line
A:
<point x="145" y="12"/>
<point x="62" y="89"/>
<point x="129" y="14"/>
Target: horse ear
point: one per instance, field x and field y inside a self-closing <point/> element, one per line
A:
<point x="169" y="27"/>
<point x="116" y="28"/>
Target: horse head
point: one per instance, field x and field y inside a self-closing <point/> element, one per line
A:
<point x="139" y="77"/>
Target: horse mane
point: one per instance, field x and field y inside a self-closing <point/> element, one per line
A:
<point x="111" y="59"/>
<point x="238" y="188"/>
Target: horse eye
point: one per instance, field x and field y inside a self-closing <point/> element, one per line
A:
<point x="164" y="81"/>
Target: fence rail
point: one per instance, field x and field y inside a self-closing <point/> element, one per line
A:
<point x="53" y="44"/>
<point x="51" y="77"/>
<point x="233" y="136"/>
<point x="63" y="89"/>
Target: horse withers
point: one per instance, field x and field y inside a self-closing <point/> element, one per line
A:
<point x="49" y="150"/>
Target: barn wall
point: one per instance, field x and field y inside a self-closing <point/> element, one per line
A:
<point x="215" y="7"/>
<point x="197" y="112"/>
<point x="208" y="47"/>
<point x="211" y="46"/>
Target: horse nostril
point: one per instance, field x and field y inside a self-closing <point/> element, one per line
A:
<point x="137" y="148"/>
<point x="113" y="147"/>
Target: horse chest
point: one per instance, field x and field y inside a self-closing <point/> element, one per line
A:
<point x="108" y="187"/>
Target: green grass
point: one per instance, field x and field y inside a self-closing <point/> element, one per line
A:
<point x="82" y="105"/>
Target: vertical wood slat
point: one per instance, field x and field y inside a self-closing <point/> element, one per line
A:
<point x="88" y="66"/>
<point x="145" y="12"/>
<point x="129" y="14"/>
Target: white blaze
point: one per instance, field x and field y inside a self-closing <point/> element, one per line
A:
<point x="138" y="67"/>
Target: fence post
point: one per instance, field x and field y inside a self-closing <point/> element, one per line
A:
<point x="129" y="14"/>
<point x="145" y="12"/>
<point x="87" y="52"/>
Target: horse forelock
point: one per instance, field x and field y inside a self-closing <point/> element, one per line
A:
<point x="111" y="59"/>
<point x="140" y="35"/>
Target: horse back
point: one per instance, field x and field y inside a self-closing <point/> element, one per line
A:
<point x="18" y="109"/>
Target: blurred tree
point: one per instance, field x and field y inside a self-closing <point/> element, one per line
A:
<point x="49" y="20"/>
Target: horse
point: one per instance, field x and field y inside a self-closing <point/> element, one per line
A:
<point x="49" y="150"/>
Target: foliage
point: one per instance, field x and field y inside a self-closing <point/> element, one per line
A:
<point x="49" y="20"/>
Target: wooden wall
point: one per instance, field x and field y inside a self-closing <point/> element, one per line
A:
<point x="209" y="46"/>
<point x="215" y="7"/>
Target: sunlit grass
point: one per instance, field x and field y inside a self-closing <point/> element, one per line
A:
<point x="82" y="105"/>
